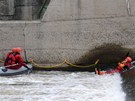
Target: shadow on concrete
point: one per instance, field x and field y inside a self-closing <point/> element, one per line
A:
<point x="108" y="54"/>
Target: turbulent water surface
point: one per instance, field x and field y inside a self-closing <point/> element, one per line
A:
<point x="129" y="84"/>
<point x="62" y="86"/>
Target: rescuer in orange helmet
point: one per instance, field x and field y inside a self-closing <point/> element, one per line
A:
<point x="15" y="57"/>
<point x="125" y="64"/>
<point x="10" y="59"/>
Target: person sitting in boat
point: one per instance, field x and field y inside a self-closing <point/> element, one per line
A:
<point x="14" y="59"/>
<point x="124" y="65"/>
<point x="10" y="59"/>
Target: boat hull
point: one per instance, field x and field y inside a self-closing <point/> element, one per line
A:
<point x="9" y="72"/>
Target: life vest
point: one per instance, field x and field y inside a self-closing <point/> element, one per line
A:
<point x="120" y="66"/>
<point x="10" y="59"/>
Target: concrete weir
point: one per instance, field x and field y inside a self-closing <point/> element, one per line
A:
<point x="74" y="30"/>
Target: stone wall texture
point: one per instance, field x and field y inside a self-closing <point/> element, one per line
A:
<point x="6" y="9"/>
<point x="20" y="9"/>
<point x="71" y="28"/>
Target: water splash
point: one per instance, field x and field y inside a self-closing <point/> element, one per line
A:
<point x="62" y="86"/>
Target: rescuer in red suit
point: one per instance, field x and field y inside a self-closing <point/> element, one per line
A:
<point x="124" y="65"/>
<point x="14" y="59"/>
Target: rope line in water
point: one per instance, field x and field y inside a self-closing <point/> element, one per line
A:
<point x="41" y="66"/>
<point x="64" y="62"/>
<point x="60" y="64"/>
<point x="80" y="66"/>
<point x="1" y="60"/>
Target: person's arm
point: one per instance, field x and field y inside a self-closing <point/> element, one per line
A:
<point x="6" y="59"/>
<point x="21" y="62"/>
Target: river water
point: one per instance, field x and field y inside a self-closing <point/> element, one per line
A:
<point x="62" y="86"/>
<point x="128" y="79"/>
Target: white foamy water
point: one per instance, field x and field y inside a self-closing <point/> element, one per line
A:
<point x="61" y="86"/>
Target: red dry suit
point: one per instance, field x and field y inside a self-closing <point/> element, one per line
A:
<point x="121" y="66"/>
<point x="14" y="58"/>
<point x="118" y="69"/>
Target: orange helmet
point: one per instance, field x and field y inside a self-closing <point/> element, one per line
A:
<point x="129" y="59"/>
<point x="13" y="49"/>
<point x="18" y="49"/>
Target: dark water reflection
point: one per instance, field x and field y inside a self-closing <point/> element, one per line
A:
<point x="129" y="84"/>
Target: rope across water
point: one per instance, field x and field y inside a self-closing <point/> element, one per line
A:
<point x="60" y="64"/>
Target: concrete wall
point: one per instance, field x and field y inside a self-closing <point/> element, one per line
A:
<point x="20" y="9"/>
<point x="6" y="9"/>
<point x="71" y="28"/>
<point x="27" y="9"/>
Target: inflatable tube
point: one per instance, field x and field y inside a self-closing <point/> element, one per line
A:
<point x="8" y="72"/>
